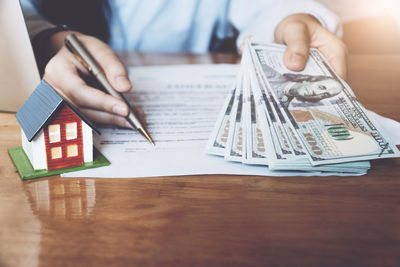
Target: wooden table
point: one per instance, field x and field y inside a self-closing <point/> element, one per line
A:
<point x="209" y="220"/>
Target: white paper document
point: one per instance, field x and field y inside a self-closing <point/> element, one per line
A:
<point x="181" y="104"/>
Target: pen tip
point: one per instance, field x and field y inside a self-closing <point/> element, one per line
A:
<point x="146" y="135"/>
<point x="151" y="141"/>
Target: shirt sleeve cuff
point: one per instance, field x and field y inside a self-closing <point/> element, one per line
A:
<point x="40" y="45"/>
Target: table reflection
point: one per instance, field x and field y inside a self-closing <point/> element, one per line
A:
<point x="62" y="198"/>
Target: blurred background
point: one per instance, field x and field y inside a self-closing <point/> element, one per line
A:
<point x="350" y="10"/>
<point x="370" y="26"/>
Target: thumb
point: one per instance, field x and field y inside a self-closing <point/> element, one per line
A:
<point x="113" y="67"/>
<point x="115" y="71"/>
<point x="297" y="38"/>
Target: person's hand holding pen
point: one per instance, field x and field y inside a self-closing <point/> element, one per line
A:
<point x="63" y="70"/>
<point x="85" y="57"/>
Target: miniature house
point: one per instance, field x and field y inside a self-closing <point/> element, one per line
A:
<point x="54" y="133"/>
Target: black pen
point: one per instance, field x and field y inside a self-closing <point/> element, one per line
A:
<point x="87" y="60"/>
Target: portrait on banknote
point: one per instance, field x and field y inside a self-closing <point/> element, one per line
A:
<point x="302" y="87"/>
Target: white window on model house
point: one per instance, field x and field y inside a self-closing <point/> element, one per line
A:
<point x="56" y="152"/>
<point x="72" y="151"/>
<point x="71" y="131"/>
<point x="54" y="133"/>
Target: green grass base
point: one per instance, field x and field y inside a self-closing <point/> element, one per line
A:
<point x="26" y="171"/>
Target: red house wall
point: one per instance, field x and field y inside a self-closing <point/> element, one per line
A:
<point x="64" y="115"/>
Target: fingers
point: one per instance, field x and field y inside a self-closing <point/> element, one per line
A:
<point x="108" y="119"/>
<point x="76" y="89"/>
<point x="105" y="118"/>
<point x="300" y="32"/>
<point x="334" y="50"/>
<point x="339" y="64"/>
<point x="89" y="97"/>
<point x="96" y="105"/>
<point x="113" y="67"/>
<point x="63" y="72"/>
<point x="297" y="38"/>
<point x="241" y="47"/>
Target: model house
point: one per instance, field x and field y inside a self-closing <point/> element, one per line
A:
<point x="54" y="133"/>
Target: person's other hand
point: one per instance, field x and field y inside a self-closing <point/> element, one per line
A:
<point x="64" y="73"/>
<point x="300" y="32"/>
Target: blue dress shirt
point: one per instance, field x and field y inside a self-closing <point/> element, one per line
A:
<point x="189" y="25"/>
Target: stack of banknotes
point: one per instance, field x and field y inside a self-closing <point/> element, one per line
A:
<point x="303" y="121"/>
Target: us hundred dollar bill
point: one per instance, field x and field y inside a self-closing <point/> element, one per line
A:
<point x="294" y="161"/>
<point x="235" y="145"/>
<point x="322" y="109"/>
<point x="274" y="138"/>
<point x="256" y="145"/>
<point x="217" y="142"/>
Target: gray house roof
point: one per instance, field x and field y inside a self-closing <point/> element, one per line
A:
<point x="38" y="109"/>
